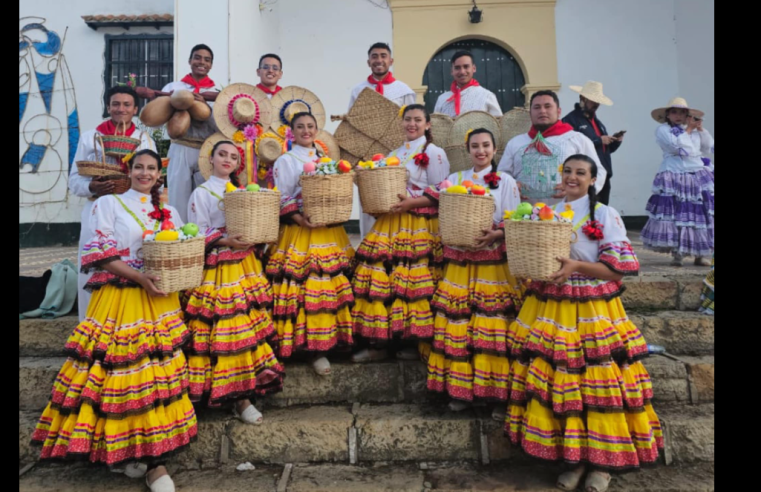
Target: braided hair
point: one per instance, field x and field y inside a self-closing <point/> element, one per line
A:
<point x="427" y="133"/>
<point x="492" y="184"/>
<point x="233" y="176"/>
<point x="592" y="192"/>
<point x="155" y="195"/>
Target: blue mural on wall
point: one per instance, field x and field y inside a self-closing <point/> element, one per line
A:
<point x="47" y="108"/>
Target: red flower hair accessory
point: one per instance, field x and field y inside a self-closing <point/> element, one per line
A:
<point x="593" y="230"/>
<point x="421" y="160"/>
<point x="160" y="214"/>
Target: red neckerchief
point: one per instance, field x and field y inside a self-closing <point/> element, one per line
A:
<point x="387" y="79"/>
<point x="456" y="94"/>
<point x="267" y="90"/>
<point x="559" y="128"/>
<point x="108" y="128"/>
<point x="597" y="131"/>
<point x="204" y="83"/>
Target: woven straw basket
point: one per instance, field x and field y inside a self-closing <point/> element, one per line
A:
<point x="254" y="215"/>
<point x="474" y="120"/>
<point x="179" y="264"/>
<point x="327" y="198"/>
<point x="98" y="167"/>
<point x="513" y="123"/>
<point x="122" y="183"/>
<point x="119" y="145"/>
<point x="459" y="159"/>
<point x="533" y="246"/>
<point x="379" y="188"/>
<point x="441" y="125"/>
<point x="463" y="218"/>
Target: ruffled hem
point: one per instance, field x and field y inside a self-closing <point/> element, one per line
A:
<point x="578" y="288"/>
<point x="398" y="237"/>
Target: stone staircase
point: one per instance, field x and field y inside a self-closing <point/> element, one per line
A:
<point x="367" y="417"/>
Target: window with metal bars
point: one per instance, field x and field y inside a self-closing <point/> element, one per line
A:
<point x="149" y="56"/>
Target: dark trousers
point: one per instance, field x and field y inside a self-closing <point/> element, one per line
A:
<point x="604" y="195"/>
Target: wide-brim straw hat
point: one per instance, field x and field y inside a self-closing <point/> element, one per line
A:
<point x="659" y="114"/>
<point x="204" y="156"/>
<point x="291" y="100"/>
<point x="515" y="122"/>
<point x="239" y="105"/>
<point x="473" y="120"/>
<point x="334" y="151"/>
<point x="270" y="148"/>
<point x="441" y="125"/>
<point x="593" y="91"/>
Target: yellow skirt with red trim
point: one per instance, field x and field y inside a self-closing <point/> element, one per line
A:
<point x="395" y="278"/>
<point x="578" y="390"/>
<point x="473" y="306"/>
<point x="312" y="295"/>
<point x="122" y="393"/>
<point x="229" y="355"/>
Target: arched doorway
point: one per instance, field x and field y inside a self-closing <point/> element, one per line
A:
<point x="497" y="70"/>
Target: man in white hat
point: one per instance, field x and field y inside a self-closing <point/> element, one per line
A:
<point x="534" y="158"/>
<point x="466" y="94"/>
<point x="584" y="120"/>
<point x="183" y="174"/>
<point x="382" y="81"/>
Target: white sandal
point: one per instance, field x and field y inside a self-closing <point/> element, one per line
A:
<point x="597" y="481"/>
<point x="249" y="416"/>
<point x="369" y="355"/>
<point x="499" y="413"/>
<point x="458" y="405"/>
<point x="570" y="480"/>
<point x="132" y="470"/>
<point x="321" y="366"/>
<point x="162" y="484"/>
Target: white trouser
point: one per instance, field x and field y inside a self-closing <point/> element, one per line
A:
<point x="183" y="177"/>
<point x="85" y="234"/>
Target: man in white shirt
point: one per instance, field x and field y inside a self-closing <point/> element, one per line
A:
<point x="270" y="72"/>
<point x="122" y="107"/>
<point x="183" y="174"/>
<point x="534" y="158"/>
<point x="382" y="81"/>
<point x="466" y="94"/>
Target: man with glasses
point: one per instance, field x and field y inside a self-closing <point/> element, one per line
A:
<point x="270" y="72"/>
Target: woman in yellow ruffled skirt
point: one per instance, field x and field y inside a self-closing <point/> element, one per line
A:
<point x="477" y="296"/>
<point x="309" y="265"/>
<point x="399" y="260"/>
<point x="578" y="390"/>
<point x="121" y="396"/>
<point x="229" y="355"/>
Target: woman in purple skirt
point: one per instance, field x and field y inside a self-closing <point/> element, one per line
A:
<point x="681" y="207"/>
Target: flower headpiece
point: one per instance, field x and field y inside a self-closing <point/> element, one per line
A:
<point x="401" y="110"/>
<point x="467" y="134"/>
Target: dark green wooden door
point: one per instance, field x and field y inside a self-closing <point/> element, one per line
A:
<point x="497" y="70"/>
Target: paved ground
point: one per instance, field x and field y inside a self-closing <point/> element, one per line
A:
<point x="34" y="261"/>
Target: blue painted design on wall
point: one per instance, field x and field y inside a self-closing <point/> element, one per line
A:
<point x="45" y="82"/>
<point x="22" y="98"/>
<point x="33" y="156"/>
<point x="73" y="129"/>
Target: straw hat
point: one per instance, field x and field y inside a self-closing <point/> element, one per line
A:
<point x="515" y="122"/>
<point x="458" y="157"/>
<point x="441" y="125"/>
<point x="292" y="100"/>
<point x="659" y="114"/>
<point x="238" y="105"/>
<point x="593" y="91"/>
<point x="204" y="156"/>
<point x="270" y="148"/>
<point x="334" y="151"/>
<point x="470" y="121"/>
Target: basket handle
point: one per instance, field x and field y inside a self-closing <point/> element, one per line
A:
<point x="337" y="117"/>
<point x="220" y="204"/>
<point x="95" y="139"/>
<point x="574" y="237"/>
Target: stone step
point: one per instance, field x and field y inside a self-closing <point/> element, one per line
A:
<point x="382" y="477"/>
<point x="388" y="432"/>
<point x="681" y="332"/>
<point x="663" y="292"/>
<point x="689" y="380"/>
